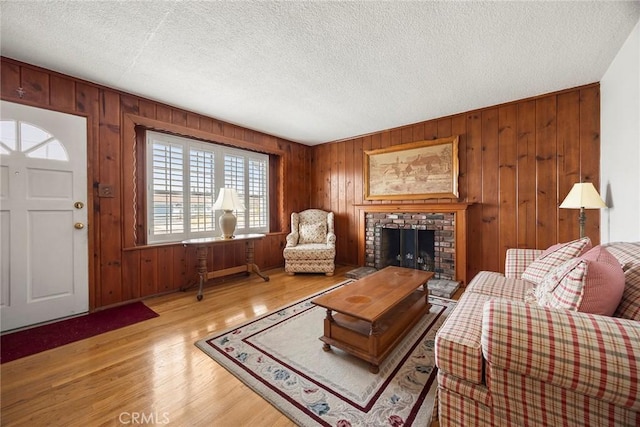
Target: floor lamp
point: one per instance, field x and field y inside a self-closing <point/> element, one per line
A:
<point x="583" y="196"/>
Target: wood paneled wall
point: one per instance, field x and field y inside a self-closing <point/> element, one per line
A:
<point x="120" y="270"/>
<point x="517" y="163"/>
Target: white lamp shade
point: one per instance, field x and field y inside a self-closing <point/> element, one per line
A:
<point x="583" y="195"/>
<point x="228" y="200"/>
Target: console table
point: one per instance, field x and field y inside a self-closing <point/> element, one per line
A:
<point x="202" y="250"/>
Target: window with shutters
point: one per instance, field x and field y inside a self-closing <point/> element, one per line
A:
<point x="183" y="179"/>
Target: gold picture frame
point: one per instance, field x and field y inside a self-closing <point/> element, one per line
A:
<point x="418" y="170"/>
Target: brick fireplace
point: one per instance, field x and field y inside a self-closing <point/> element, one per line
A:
<point x="414" y="240"/>
<point x="447" y="220"/>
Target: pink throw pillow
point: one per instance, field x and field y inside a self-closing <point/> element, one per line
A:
<point x="605" y="282"/>
<point x="591" y="283"/>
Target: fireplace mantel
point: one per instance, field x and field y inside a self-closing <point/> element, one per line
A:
<point x="460" y="227"/>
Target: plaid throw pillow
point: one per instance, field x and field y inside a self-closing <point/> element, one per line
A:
<point x="568" y="276"/>
<point x="553" y="257"/>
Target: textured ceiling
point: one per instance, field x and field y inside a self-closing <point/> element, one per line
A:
<point x="314" y="72"/>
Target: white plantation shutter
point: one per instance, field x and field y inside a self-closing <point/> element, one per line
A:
<point x="234" y="178"/>
<point x="258" y="197"/>
<point x="167" y="189"/>
<point x="202" y="186"/>
<point x="184" y="177"/>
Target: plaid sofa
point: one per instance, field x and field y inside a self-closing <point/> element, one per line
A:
<point x="503" y="362"/>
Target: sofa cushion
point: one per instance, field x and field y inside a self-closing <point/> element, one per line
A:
<point x="554" y="256"/>
<point x="628" y="254"/>
<point x="457" y="346"/>
<point x="591" y="283"/>
<point x="518" y="259"/>
<point x="629" y="307"/>
<point x="497" y="285"/>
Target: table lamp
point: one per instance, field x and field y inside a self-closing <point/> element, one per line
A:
<point x="228" y="201"/>
<point x="583" y="196"/>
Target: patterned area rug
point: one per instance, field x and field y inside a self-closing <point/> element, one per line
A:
<point x="280" y="357"/>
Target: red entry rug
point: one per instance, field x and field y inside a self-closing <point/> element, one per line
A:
<point x="23" y="343"/>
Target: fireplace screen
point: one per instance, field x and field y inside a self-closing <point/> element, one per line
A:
<point x="406" y="247"/>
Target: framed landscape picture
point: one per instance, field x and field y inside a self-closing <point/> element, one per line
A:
<point x="418" y="170"/>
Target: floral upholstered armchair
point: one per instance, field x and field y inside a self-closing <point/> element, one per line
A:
<point x="311" y="245"/>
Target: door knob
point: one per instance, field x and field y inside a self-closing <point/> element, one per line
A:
<point x="78" y="205"/>
<point x="79" y="225"/>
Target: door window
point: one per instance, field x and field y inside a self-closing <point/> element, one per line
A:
<point x="33" y="142"/>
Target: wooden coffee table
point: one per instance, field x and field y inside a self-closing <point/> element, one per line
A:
<point x="369" y="317"/>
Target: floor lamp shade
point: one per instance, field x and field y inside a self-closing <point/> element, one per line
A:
<point x="583" y="196"/>
<point x="228" y="201"/>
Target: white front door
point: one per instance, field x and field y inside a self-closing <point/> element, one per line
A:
<point x="43" y="215"/>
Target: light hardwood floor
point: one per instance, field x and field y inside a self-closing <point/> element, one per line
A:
<point x="152" y="371"/>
